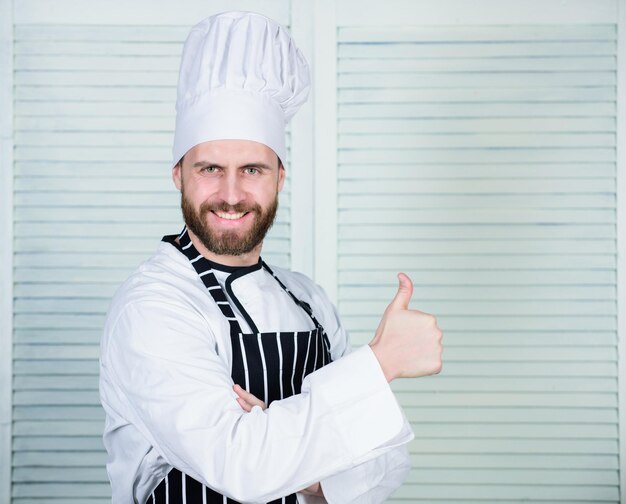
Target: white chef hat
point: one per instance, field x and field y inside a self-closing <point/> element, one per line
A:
<point x="241" y="77"/>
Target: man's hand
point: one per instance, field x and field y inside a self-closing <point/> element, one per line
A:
<point x="407" y="343"/>
<point x="247" y="401"/>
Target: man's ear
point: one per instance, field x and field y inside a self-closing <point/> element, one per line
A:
<point x="281" y="177"/>
<point x="177" y="175"/>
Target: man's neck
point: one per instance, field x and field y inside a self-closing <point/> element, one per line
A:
<point x="249" y="259"/>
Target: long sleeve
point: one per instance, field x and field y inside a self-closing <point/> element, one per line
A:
<point x="157" y="359"/>
<point x="372" y="481"/>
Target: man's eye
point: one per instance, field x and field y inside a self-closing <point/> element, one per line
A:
<point x="209" y="169"/>
<point x="252" y="171"/>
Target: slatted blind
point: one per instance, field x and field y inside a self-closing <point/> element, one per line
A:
<point x="481" y="161"/>
<point x="94" y="116"/>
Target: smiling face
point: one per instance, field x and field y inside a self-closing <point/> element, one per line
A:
<point x="229" y="196"/>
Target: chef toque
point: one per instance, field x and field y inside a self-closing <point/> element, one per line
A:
<point x="241" y="77"/>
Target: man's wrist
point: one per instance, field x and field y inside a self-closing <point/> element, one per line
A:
<point x="387" y="370"/>
<point x="314" y="489"/>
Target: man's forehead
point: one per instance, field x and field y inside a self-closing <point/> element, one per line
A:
<point x="231" y="147"/>
<point x="231" y="151"/>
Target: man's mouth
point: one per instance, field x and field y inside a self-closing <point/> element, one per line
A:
<point x="230" y="216"/>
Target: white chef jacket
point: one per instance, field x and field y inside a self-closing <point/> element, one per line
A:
<point x="166" y="388"/>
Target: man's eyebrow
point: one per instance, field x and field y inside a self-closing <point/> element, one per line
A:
<point x="247" y="165"/>
<point x="206" y="163"/>
<point x="257" y="165"/>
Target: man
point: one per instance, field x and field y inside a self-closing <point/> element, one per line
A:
<point x="226" y="380"/>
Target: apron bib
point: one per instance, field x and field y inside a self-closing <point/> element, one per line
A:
<point x="270" y="365"/>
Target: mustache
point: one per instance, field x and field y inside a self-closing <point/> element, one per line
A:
<point x="222" y="206"/>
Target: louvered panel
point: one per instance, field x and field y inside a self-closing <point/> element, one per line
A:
<point x="46" y="367"/>
<point x="544" y="416"/>
<point x="64" y="459"/>
<point x="504" y="384"/>
<point x="502" y="492"/>
<point x="545" y="463"/>
<point x="481" y="161"/>
<point x="56" y="383"/>
<point x="94" y="116"/>
<point x="479" y="80"/>
<point x="58" y="413"/>
<point x="78" y="474"/>
<point x="523" y="477"/>
<point x="492" y="125"/>
<point x="64" y="500"/>
<point x="37" y="336"/>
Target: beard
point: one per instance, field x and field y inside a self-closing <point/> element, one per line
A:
<point x="228" y="242"/>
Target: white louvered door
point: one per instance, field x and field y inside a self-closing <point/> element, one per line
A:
<point x="94" y="116"/>
<point x="92" y="120"/>
<point x="480" y="159"/>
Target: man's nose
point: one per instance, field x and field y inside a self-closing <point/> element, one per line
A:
<point x="231" y="190"/>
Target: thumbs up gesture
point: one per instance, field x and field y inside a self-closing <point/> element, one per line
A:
<point x="407" y="343"/>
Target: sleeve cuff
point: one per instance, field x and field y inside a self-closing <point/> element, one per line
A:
<point x="354" y="388"/>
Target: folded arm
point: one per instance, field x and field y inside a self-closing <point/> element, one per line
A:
<point x="181" y="399"/>
<point x="370" y="482"/>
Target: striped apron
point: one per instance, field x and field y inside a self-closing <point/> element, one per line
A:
<point x="269" y="365"/>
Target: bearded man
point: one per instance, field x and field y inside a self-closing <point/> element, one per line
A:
<point x="224" y="379"/>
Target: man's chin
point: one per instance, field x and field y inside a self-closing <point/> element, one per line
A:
<point x="229" y="244"/>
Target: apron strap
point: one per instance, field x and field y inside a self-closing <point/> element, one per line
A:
<point x="204" y="270"/>
<point x="302" y="304"/>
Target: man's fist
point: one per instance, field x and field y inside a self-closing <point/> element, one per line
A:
<point x="407" y="343"/>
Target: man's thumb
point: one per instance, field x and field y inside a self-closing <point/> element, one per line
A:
<point x="403" y="296"/>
